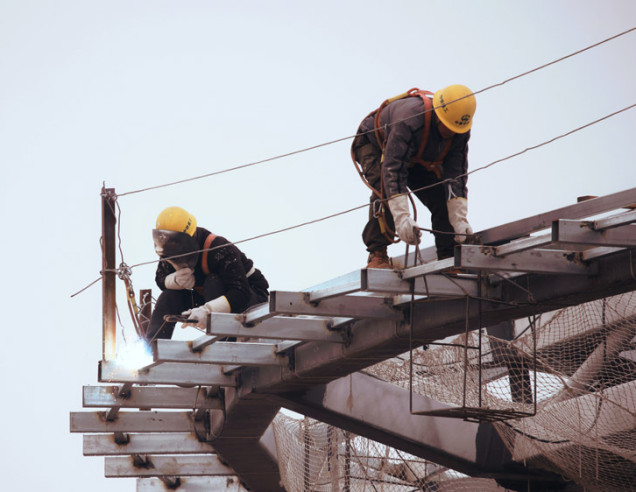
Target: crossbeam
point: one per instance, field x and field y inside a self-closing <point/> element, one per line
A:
<point x="535" y="261"/>
<point x="164" y="466"/>
<point x="276" y="328"/>
<point x="221" y="353"/>
<point x="298" y="303"/>
<point x="165" y="443"/>
<point x="389" y="281"/>
<point x="149" y="397"/>
<point x="191" y="484"/>
<point x="132" y="422"/>
<point x="169" y="373"/>
<point x="587" y="208"/>
<point x="577" y="232"/>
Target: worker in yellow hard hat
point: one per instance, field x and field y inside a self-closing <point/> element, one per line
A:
<point x="417" y="141"/>
<point x="199" y="273"/>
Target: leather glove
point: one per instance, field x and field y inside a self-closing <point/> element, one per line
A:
<point x="457" y="211"/>
<point x="218" y="305"/>
<point x="181" y="279"/>
<point x="405" y="227"/>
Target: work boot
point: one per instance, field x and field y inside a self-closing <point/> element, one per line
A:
<point x="379" y="259"/>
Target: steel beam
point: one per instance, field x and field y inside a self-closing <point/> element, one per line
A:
<point x="426" y="268"/>
<point x="277" y="328"/>
<point x="166" y="443"/>
<point x="149" y="397"/>
<point x="390" y="282"/>
<point x="132" y="422"/>
<point x="361" y="307"/>
<point x="164" y="466"/>
<point x="169" y="373"/>
<point x="535" y="261"/>
<point x="523" y="245"/>
<point x="221" y="353"/>
<point x="588" y="208"/>
<point x="577" y="232"/>
<point x="192" y="484"/>
<point x="379" y="411"/>
<point x="340" y="286"/>
<point x="614" y="221"/>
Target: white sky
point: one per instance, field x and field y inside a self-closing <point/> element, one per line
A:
<point x="143" y="93"/>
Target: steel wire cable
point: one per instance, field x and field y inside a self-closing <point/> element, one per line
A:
<point x="344" y="212"/>
<point x="331" y="142"/>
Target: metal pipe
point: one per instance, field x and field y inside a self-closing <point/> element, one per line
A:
<point x="108" y="274"/>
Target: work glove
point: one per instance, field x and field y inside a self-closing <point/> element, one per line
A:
<point x="405" y="227"/>
<point x="457" y="211"/>
<point x="200" y="314"/>
<point x="181" y="279"/>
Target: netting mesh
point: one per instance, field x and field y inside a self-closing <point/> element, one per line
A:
<point x="578" y="364"/>
<point x="316" y="457"/>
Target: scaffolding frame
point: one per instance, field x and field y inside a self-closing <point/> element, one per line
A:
<point x="228" y="393"/>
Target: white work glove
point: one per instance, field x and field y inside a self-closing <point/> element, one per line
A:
<point x="181" y="279"/>
<point x="457" y="211"/>
<point x="405" y="227"/>
<point x="200" y="314"/>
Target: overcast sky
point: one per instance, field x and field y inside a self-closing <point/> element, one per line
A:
<point x="142" y="93"/>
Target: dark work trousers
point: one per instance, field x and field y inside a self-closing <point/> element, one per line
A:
<point x="177" y="301"/>
<point x="433" y="198"/>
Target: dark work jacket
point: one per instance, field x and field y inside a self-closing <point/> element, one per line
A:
<point x="405" y="120"/>
<point x="229" y="263"/>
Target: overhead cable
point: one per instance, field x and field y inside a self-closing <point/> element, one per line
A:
<point x="320" y="219"/>
<point x="331" y="142"/>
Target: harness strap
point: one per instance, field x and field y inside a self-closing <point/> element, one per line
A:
<point x="436" y="165"/>
<point x="204" y="257"/>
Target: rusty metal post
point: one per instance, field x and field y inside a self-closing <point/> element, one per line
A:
<point x="109" y="278"/>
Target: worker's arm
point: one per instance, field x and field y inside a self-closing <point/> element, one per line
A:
<point x="455" y="170"/>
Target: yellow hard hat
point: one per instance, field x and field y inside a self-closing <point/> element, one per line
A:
<point x="178" y="220"/>
<point x="457" y="116"/>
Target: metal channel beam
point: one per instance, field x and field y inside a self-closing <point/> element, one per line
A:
<point x="172" y="443"/>
<point x="340" y="286"/>
<point x="132" y="422"/>
<point x="376" y="340"/>
<point x="164" y="466"/>
<point x="389" y="281"/>
<point x="222" y="353"/>
<point x="192" y="484"/>
<point x="535" y="261"/>
<point x="345" y="306"/>
<point x="523" y="245"/>
<point x="588" y="208"/>
<point x="615" y="221"/>
<point x="577" y="232"/>
<point x="426" y="268"/>
<point x="149" y="397"/>
<point x="276" y="328"/>
<point x="170" y="373"/>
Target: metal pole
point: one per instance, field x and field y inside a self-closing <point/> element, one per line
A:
<point x="109" y="222"/>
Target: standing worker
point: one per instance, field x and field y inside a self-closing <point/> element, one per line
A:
<point x="413" y="141"/>
<point x="199" y="273"/>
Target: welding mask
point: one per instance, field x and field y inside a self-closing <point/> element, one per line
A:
<point x="178" y="248"/>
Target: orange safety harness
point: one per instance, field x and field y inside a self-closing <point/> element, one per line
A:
<point x="433" y="166"/>
<point x="204" y="259"/>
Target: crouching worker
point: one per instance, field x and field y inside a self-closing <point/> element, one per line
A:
<point x="199" y="273"/>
